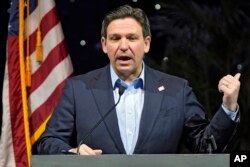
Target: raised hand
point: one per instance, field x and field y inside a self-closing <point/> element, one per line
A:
<point x="230" y="86"/>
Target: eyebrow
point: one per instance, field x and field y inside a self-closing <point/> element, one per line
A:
<point x="130" y="34"/>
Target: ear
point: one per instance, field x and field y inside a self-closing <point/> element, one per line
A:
<point x="104" y="44"/>
<point x="147" y="41"/>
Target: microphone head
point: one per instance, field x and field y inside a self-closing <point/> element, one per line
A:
<point x="121" y="90"/>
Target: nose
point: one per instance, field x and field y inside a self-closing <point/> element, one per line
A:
<point x="123" y="45"/>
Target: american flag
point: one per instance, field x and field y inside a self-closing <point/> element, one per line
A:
<point x="27" y="109"/>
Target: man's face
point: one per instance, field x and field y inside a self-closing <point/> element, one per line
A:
<point x="125" y="47"/>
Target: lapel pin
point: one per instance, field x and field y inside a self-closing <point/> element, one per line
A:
<point x="161" y="88"/>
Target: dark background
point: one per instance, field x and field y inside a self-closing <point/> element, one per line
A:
<point x="198" y="40"/>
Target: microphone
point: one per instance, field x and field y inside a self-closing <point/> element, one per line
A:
<point x="120" y="92"/>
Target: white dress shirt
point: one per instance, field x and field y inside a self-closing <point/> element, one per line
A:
<point x="129" y="110"/>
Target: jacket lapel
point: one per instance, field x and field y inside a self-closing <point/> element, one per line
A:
<point x="154" y="91"/>
<point x="103" y="93"/>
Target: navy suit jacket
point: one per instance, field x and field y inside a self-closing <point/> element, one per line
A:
<point x="169" y="117"/>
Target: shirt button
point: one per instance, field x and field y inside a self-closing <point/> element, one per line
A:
<point x="129" y="133"/>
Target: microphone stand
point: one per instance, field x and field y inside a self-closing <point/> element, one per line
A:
<point x="121" y="91"/>
<point x="211" y="144"/>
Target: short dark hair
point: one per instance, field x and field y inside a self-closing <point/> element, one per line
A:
<point x="124" y="12"/>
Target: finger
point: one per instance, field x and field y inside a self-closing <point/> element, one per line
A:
<point x="223" y="83"/>
<point x="98" y="152"/>
<point x="223" y="88"/>
<point x="229" y="88"/>
<point x="230" y="80"/>
<point x="85" y="150"/>
<point x="237" y="76"/>
<point x="73" y="150"/>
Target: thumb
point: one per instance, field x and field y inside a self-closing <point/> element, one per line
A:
<point x="237" y="76"/>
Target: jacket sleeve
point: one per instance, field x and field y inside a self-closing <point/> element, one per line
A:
<point x="60" y="130"/>
<point x="198" y="126"/>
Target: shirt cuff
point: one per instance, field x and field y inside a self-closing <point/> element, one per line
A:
<point x="232" y="115"/>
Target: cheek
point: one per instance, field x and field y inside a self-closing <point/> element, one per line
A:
<point x="110" y="50"/>
<point x="139" y="50"/>
<point x="111" y="53"/>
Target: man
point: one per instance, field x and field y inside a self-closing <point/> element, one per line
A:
<point x="156" y="112"/>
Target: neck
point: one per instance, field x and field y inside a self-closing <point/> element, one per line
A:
<point x="129" y="77"/>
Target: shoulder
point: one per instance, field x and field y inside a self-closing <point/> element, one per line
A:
<point x="158" y="75"/>
<point x="91" y="77"/>
<point x="174" y="84"/>
<point x="97" y="73"/>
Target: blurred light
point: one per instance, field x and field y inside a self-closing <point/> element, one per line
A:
<point x="82" y="42"/>
<point x="72" y="1"/>
<point x="165" y="59"/>
<point x="98" y="46"/>
<point x="239" y="67"/>
<point x="157" y="6"/>
<point x="135" y="0"/>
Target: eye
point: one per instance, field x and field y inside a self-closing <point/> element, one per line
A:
<point x="114" y="38"/>
<point x="132" y="37"/>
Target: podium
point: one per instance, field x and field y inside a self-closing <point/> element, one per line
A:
<point x="138" y="160"/>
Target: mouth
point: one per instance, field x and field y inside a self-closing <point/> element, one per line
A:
<point x="124" y="58"/>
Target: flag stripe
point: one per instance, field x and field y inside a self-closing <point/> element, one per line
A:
<point x="43" y="111"/>
<point x="39" y="130"/>
<point x="58" y="74"/>
<point x="48" y="22"/>
<point x="48" y="77"/>
<point x="15" y="103"/>
<point x="6" y="142"/>
<point x="49" y="42"/>
<point x="47" y="66"/>
<point x="46" y="6"/>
